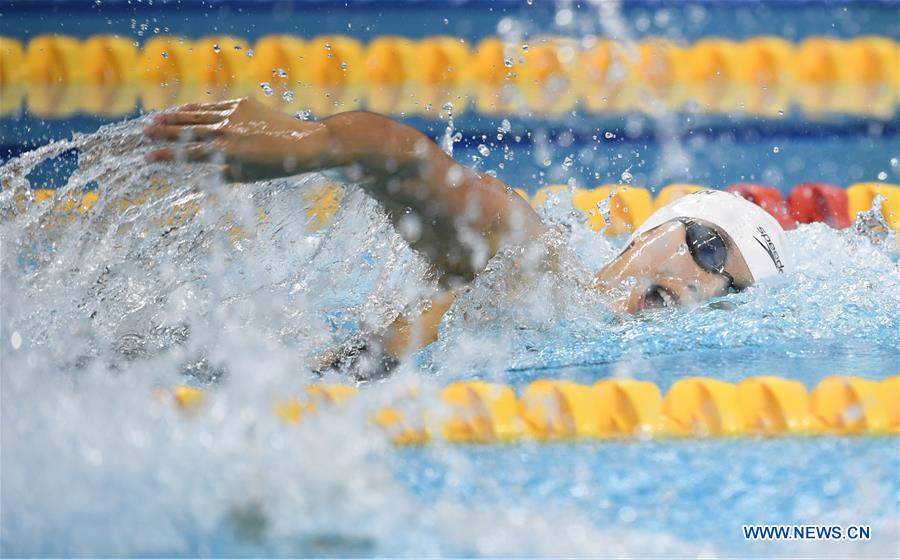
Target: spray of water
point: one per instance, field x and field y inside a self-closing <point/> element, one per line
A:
<point x="174" y="275"/>
<point x="169" y="257"/>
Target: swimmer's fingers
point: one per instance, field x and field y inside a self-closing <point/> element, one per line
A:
<point x="189" y="118"/>
<point x="214" y="106"/>
<point x="210" y="153"/>
<point x="188" y="152"/>
<point x="184" y="133"/>
<point x="233" y="169"/>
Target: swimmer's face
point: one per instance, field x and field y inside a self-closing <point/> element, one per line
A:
<point x="660" y="269"/>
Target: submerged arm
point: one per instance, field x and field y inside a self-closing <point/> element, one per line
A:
<point x="455" y="216"/>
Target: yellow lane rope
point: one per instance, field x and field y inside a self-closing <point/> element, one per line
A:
<point x="107" y="74"/>
<point x="629" y="206"/>
<point x="551" y="409"/>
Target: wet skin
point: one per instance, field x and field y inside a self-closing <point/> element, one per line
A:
<point x="464" y="217"/>
<point x="657" y="270"/>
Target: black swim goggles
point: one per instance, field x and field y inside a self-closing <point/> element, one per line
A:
<point x="708" y="249"/>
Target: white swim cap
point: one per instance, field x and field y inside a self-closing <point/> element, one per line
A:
<point x="757" y="235"/>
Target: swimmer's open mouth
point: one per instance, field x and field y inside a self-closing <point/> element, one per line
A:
<point x="658" y="297"/>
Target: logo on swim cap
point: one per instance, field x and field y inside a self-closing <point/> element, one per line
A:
<point x="749" y="227"/>
<point x="769" y="247"/>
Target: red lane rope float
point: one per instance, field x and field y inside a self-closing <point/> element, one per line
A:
<point x="812" y="202"/>
<point x="767" y="198"/>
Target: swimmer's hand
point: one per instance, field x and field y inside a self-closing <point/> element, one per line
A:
<point x="456" y="217"/>
<point x="253" y="141"/>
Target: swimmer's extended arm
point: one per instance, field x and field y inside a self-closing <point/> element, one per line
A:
<point x="457" y="217"/>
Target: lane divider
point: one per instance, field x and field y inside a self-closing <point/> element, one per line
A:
<point x="861" y="195"/>
<point x="628" y="205"/>
<point x="559" y="410"/>
<point x="870" y="60"/>
<point x="762" y="75"/>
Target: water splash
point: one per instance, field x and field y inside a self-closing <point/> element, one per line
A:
<point x="840" y="295"/>
<point x="451" y="136"/>
<point x="168" y="251"/>
<point x="174" y="275"/>
<point x="872" y="223"/>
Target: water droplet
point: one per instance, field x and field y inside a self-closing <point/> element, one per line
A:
<point x="303" y="115"/>
<point x="410" y="228"/>
<point x="564" y="17"/>
<point x="449" y="137"/>
<point x="604" y="207"/>
<point x="547" y="162"/>
<point x="776" y="149"/>
<point x="780" y="112"/>
<point x="16" y="340"/>
<point x="483" y="150"/>
<point x="627" y="177"/>
<point x="508" y="62"/>
<point x="506" y="127"/>
<point x="446" y="21"/>
<point x="895" y="162"/>
<point x="882" y="176"/>
<point x="238" y="47"/>
<point x="609" y="135"/>
<point x="455" y="175"/>
<point x="525" y="47"/>
<point x="288" y="96"/>
<point x="343" y="66"/>
<point x="568" y="161"/>
<point x="216" y="48"/>
<point x="279" y="72"/>
<point x="327" y="46"/>
<point x="249" y="53"/>
<point x="267" y="89"/>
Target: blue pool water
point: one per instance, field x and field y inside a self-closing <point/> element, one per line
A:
<point x="423" y="18"/>
<point x="101" y="309"/>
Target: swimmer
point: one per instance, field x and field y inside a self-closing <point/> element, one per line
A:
<point x="700" y="246"/>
